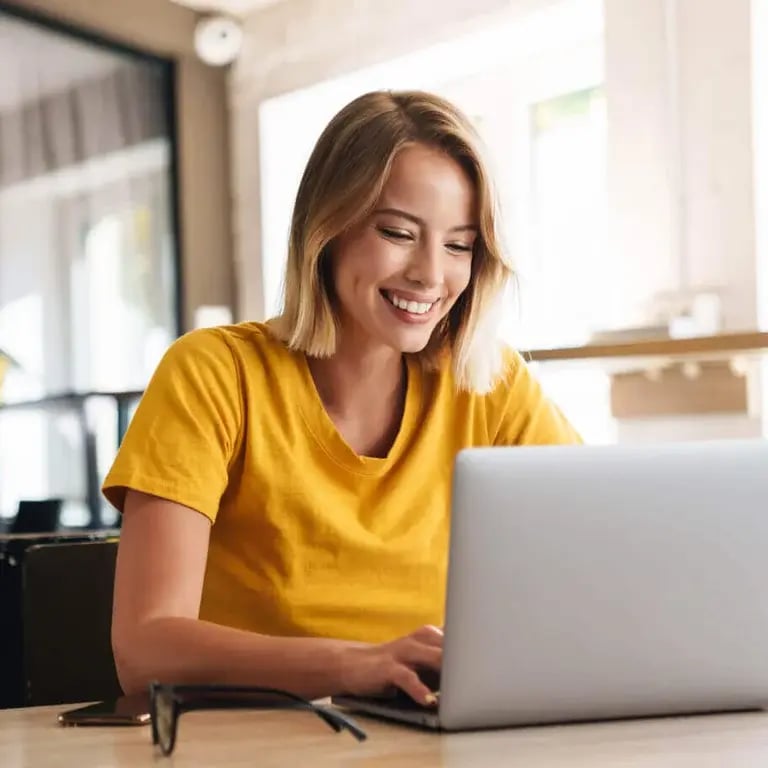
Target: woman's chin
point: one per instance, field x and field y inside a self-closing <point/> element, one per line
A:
<point x="409" y="341"/>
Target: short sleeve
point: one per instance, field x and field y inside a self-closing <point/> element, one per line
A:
<point x="521" y="413"/>
<point x="186" y="429"/>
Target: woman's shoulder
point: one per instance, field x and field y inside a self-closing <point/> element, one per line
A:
<point x="227" y="356"/>
<point x="239" y="340"/>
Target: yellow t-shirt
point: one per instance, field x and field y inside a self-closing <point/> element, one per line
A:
<point x="308" y="538"/>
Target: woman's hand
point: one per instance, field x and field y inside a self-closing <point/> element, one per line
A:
<point x="376" y="669"/>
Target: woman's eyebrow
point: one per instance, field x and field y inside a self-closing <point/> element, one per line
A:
<point x="418" y="220"/>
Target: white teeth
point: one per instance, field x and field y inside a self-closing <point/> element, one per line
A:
<point x="414" y="307"/>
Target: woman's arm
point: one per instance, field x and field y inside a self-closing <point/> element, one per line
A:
<point x="156" y="632"/>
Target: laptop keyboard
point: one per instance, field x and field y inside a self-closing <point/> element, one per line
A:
<point x="399" y="700"/>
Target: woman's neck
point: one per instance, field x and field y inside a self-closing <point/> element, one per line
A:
<point x="350" y="382"/>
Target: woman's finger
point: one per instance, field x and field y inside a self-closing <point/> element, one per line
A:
<point x="416" y="654"/>
<point x="409" y="682"/>
<point x="429" y="634"/>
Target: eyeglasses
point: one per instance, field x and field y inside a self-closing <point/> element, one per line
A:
<point x="168" y="702"/>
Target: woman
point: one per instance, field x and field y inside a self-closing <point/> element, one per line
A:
<point x="285" y="486"/>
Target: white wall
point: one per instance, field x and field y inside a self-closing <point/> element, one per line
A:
<point x="681" y="164"/>
<point x="760" y="144"/>
<point x="679" y="96"/>
<point x="640" y="155"/>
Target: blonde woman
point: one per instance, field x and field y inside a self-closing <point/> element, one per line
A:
<point x="285" y="485"/>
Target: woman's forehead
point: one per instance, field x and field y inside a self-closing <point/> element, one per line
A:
<point x="427" y="182"/>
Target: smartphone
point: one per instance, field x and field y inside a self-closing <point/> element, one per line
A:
<point x="125" y="710"/>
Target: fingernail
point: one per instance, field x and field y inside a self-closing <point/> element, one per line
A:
<point x="430" y="698"/>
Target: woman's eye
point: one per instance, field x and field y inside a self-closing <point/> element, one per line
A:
<point x="460" y="247"/>
<point x="395" y="234"/>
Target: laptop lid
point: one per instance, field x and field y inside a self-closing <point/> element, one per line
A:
<point x="598" y="582"/>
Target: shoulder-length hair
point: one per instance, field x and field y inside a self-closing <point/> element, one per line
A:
<point x="340" y="187"/>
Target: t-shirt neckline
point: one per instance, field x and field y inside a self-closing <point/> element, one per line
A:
<point x="325" y="433"/>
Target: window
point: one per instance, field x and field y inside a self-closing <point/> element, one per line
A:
<point x="88" y="261"/>
<point x="567" y="264"/>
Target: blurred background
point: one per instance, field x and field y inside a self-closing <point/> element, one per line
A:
<point x="150" y="151"/>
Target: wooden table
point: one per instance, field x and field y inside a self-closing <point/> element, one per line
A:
<point x="31" y="737"/>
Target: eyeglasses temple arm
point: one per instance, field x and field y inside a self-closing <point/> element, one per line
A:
<point x="338" y="722"/>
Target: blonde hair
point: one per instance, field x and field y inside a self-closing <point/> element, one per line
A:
<point x="340" y="187"/>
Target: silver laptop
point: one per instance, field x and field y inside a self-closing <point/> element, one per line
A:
<point x="591" y="583"/>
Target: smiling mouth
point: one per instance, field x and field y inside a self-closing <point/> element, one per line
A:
<point x="408" y="305"/>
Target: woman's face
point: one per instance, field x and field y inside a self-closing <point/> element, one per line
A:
<point x="399" y="272"/>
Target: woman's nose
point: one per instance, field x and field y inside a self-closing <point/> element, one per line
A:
<point x="426" y="267"/>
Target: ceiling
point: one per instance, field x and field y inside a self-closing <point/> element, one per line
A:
<point x="230" y="7"/>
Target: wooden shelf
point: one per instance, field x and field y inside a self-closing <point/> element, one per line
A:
<point x="700" y="345"/>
